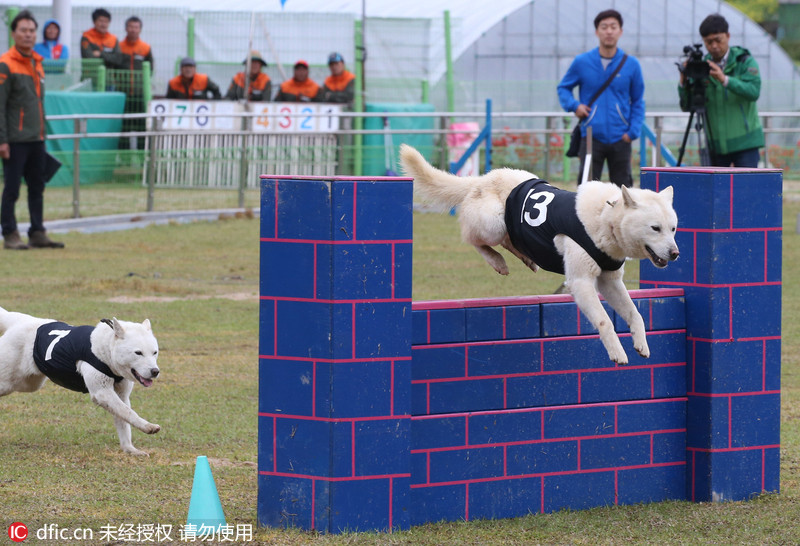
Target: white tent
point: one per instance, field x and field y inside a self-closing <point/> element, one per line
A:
<point x="512" y="51"/>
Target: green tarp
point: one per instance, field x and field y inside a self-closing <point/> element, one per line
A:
<point x="376" y="159"/>
<point x="98" y="155"/>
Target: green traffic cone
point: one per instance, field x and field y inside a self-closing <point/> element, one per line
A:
<point x="205" y="507"/>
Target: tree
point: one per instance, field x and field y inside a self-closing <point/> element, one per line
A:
<point x="758" y="10"/>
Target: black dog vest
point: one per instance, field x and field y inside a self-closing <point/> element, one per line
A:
<point x="57" y="350"/>
<point x="535" y="213"/>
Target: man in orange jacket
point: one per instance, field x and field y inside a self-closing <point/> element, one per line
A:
<point x="260" y="86"/>
<point x="134" y="53"/>
<point x="340" y="86"/>
<point x="22" y="130"/>
<point x="191" y="85"/>
<point x="99" y="43"/>
<point x="300" y="88"/>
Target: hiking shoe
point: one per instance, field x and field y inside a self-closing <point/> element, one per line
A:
<point x="39" y="239"/>
<point x="13" y="241"/>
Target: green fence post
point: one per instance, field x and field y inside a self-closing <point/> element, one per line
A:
<point x="147" y="78"/>
<point x="358" y="103"/>
<point x="101" y="78"/>
<point x="10" y="14"/>
<point x="190" y="37"/>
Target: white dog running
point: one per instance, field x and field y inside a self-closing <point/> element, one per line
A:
<point x="586" y="236"/>
<point x="104" y="360"/>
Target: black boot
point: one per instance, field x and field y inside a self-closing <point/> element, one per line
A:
<point x="13" y="241"/>
<point x="39" y="239"/>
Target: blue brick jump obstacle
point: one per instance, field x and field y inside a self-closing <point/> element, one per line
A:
<point x="376" y="413"/>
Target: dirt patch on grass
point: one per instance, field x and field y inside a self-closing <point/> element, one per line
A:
<point x="235" y="296"/>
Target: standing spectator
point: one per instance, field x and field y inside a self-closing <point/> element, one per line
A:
<point x="616" y="116"/>
<point x="99" y="43"/>
<point x="54" y="53"/>
<point x="341" y="84"/>
<point x="135" y="52"/>
<point x="259" y="84"/>
<point x="191" y="85"/>
<point x="22" y="136"/>
<point x="300" y="88"/>
<point x="731" y="91"/>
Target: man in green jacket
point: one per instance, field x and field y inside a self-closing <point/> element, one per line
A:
<point x="731" y="91"/>
<point x="22" y="134"/>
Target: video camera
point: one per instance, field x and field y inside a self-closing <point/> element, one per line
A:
<point x="695" y="68"/>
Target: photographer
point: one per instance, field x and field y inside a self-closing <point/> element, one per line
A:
<point x="732" y="87"/>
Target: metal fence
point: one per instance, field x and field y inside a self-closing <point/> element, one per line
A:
<point x="227" y="163"/>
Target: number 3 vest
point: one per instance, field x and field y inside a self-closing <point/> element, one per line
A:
<point x="535" y="213"/>
<point x="57" y="350"/>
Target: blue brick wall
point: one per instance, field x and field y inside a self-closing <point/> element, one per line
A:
<point x="517" y="409"/>
<point x="376" y="414"/>
<point x="335" y="354"/>
<point x="731" y="229"/>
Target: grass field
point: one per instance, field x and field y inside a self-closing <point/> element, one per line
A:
<point x="60" y="461"/>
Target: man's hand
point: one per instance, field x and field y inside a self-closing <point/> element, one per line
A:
<point x="582" y="111"/>
<point x="626" y="138"/>
<point x="716" y="72"/>
<point x="5" y="151"/>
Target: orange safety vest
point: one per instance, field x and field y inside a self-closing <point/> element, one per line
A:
<point x="308" y="88"/>
<point x="198" y="85"/>
<point x="99" y="41"/>
<point x="339" y="83"/>
<point x="259" y="84"/>
<point x="133" y="55"/>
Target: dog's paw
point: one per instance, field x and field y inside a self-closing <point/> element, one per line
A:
<point x="136" y="452"/>
<point x="502" y="269"/>
<point x="644" y="352"/>
<point x="151" y="428"/>
<point x="618" y="357"/>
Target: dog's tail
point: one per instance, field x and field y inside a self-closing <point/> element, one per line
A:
<point x="432" y="184"/>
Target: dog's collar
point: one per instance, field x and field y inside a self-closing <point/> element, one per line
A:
<point x="107" y="321"/>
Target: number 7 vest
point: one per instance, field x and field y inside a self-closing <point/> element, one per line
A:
<point x="58" y="348"/>
<point x="535" y="213"/>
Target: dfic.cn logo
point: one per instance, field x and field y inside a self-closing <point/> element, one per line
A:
<point x="18" y="532"/>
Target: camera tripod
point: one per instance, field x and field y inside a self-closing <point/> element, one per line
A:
<point x="698" y="113"/>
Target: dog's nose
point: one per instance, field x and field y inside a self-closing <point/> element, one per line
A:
<point x="154" y="372"/>
<point x="673" y="255"/>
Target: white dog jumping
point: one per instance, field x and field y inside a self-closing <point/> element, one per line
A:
<point x="586" y="236"/>
<point x="104" y="360"/>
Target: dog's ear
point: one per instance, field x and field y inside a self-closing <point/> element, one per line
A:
<point x="119" y="331"/>
<point x="146" y="325"/>
<point x="627" y="198"/>
<point x="667" y="194"/>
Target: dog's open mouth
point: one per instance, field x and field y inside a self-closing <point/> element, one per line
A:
<point x="658" y="262"/>
<point x="142" y="380"/>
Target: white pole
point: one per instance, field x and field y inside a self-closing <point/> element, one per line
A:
<point x="249" y="60"/>
<point x="272" y="49"/>
<point x="62" y="12"/>
<point x="587" y="162"/>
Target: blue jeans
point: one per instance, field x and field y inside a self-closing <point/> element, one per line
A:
<point x="742" y="158"/>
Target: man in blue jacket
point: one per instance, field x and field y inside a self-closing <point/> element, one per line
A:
<point x="616" y="116"/>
